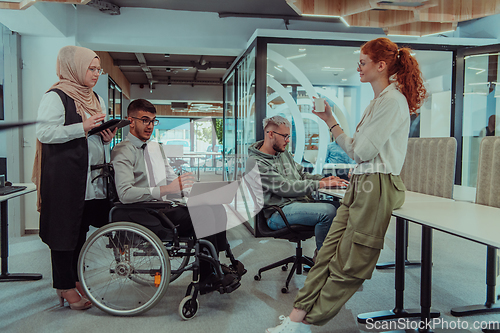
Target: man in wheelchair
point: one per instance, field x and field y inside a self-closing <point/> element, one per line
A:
<point x="140" y="178"/>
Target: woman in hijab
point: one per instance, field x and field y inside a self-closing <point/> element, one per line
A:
<point x="68" y="200"/>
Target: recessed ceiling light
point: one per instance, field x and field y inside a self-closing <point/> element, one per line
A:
<point x="297" y="56"/>
<point x="357" y="51"/>
<point x="343" y="80"/>
<point x="332" y="69"/>
<point x="302" y="49"/>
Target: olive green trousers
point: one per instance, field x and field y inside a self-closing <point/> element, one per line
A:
<point x="352" y="247"/>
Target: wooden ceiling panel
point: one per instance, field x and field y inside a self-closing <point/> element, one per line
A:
<point x="381" y="18"/>
<point x="460" y="10"/>
<point x="420" y="28"/>
<point x="331" y="7"/>
<point x="417" y="17"/>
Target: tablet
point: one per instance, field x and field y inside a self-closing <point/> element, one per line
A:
<point x="111" y="125"/>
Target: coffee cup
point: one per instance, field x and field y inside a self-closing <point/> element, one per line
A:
<point x="319" y="104"/>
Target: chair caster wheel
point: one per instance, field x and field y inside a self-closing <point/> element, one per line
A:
<point x="256" y="277"/>
<point x="188" y="308"/>
<point x="284" y="290"/>
<point x="284" y="268"/>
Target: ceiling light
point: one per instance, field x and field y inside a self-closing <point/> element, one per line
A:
<point x="343" y="80"/>
<point x="278" y="68"/>
<point x="297" y="56"/>
<point x="479" y="70"/>
<point x="332" y="69"/>
<point x="302" y="49"/>
<point x="270" y="75"/>
<point x="357" y="52"/>
<point x="318" y="15"/>
<point x="167" y="55"/>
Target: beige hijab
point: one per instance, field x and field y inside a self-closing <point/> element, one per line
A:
<point x="71" y="68"/>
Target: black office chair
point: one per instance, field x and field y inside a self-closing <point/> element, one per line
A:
<point x="292" y="233"/>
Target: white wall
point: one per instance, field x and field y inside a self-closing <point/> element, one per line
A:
<point x="38" y="75"/>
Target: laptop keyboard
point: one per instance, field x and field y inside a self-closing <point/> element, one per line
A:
<point x="11" y="189"/>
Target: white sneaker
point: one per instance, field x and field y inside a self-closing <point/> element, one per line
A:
<point x="288" y="326"/>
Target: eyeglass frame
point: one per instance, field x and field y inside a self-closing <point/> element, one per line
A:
<point x="147" y="121"/>
<point x="93" y="70"/>
<point x="285" y="136"/>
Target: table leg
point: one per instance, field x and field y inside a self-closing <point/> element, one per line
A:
<point x="490" y="305"/>
<point x="4" y="230"/>
<point x="399" y="311"/>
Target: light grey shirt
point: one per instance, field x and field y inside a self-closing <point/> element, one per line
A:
<point x="51" y="129"/>
<point x="381" y="138"/>
<point x="131" y="175"/>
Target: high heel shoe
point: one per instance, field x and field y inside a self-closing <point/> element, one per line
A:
<point x="79" y="288"/>
<point x="82" y="304"/>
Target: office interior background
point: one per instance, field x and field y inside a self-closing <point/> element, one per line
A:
<point x="215" y="70"/>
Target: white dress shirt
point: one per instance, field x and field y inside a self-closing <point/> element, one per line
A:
<point x="381" y="138"/>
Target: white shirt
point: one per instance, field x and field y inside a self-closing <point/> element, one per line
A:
<point x="51" y="129"/>
<point x="381" y="138"/>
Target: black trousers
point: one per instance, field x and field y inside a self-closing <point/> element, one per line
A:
<point x="65" y="263"/>
<point x="181" y="218"/>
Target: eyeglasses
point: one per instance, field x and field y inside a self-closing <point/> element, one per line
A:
<point x="285" y="136"/>
<point x="96" y="70"/>
<point x="362" y="64"/>
<point x="147" y="121"/>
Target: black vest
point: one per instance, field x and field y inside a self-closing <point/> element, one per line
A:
<point x="62" y="185"/>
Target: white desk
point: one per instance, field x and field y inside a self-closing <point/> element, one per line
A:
<point x="467" y="220"/>
<point x="6" y="276"/>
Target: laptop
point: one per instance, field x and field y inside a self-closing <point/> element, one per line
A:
<point x="211" y="193"/>
<point x="4" y="190"/>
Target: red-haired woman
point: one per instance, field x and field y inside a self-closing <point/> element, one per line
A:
<point x="352" y="246"/>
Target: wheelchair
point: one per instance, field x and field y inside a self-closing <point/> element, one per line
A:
<point x="125" y="267"/>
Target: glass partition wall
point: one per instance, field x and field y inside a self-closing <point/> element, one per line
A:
<point x="280" y="76"/>
<point x="481" y="109"/>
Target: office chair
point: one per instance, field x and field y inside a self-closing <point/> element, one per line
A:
<point x="292" y="233"/>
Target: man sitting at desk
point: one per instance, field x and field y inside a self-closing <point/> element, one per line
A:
<point x="136" y="182"/>
<point x="285" y="184"/>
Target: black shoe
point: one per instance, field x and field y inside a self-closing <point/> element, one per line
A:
<point x="239" y="268"/>
<point x="236" y="268"/>
<point x="227" y="284"/>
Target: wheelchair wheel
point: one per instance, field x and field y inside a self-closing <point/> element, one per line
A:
<point x="124" y="268"/>
<point x="188" y="308"/>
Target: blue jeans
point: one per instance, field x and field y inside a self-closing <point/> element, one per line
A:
<point x="318" y="214"/>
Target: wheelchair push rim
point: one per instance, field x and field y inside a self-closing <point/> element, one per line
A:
<point x="124" y="268"/>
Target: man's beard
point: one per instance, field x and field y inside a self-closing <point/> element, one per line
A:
<point x="278" y="148"/>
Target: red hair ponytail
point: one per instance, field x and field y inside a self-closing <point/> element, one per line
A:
<point x="402" y="65"/>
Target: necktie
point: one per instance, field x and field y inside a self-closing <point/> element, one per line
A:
<point x="149" y="166"/>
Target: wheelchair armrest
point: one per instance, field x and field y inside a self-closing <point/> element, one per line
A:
<point x="163" y="218"/>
